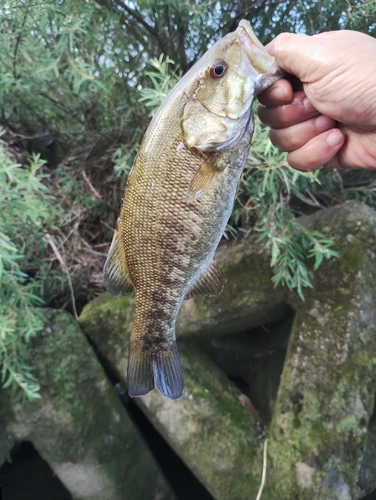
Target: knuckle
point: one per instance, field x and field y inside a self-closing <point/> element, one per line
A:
<point x="282" y="40"/>
<point x="287" y="139"/>
<point x="273" y="136"/>
<point x="311" y="156"/>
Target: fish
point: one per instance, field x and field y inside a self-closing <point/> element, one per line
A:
<point x="178" y="198"/>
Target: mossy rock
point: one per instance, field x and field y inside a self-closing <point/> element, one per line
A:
<point x="210" y="427"/>
<point x="367" y="469"/>
<point x="79" y="425"/>
<point x="319" y="430"/>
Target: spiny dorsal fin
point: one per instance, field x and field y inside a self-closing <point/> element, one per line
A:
<point x="209" y="283"/>
<point x="116" y="276"/>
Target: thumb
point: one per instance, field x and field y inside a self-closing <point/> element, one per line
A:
<point x="299" y="55"/>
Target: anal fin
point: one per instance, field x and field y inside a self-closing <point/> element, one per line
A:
<point x="116" y="276"/>
<point x="209" y="283"/>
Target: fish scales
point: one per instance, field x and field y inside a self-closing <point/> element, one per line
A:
<point x="178" y="198"/>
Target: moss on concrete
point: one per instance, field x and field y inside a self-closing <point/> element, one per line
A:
<point x="210" y="429"/>
<point x="367" y="469"/>
<point x="79" y="426"/>
<point x="109" y="314"/>
<point x="319" y="428"/>
<point x="326" y="396"/>
<point x="248" y="298"/>
<point x="222" y="449"/>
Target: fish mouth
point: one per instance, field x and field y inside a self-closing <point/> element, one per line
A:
<point x="257" y="54"/>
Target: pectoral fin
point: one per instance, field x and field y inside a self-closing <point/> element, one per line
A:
<point x="206" y="175"/>
<point x="209" y="283"/>
<point x="116" y="276"/>
<point x="202" y="180"/>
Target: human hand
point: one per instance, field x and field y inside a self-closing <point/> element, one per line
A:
<point x="332" y="121"/>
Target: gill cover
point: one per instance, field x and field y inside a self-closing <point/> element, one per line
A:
<point x="219" y="109"/>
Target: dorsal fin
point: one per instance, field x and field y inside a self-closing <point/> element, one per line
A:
<point x="209" y="283"/>
<point x="116" y="276"/>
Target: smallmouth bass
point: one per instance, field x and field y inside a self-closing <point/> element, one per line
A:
<point x="179" y="197"/>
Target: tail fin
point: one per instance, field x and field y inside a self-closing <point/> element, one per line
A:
<point x="168" y="372"/>
<point x="164" y="367"/>
<point x="140" y="374"/>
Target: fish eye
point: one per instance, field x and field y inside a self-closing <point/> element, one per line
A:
<point x="218" y="69"/>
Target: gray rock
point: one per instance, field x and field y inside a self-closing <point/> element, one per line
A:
<point x="367" y="470"/>
<point x="254" y="359"/>
<point x="209" y="427"/>
<point x="325" y="400"/>
<point x="318" y="432"/>
<point x="79" y="426"/>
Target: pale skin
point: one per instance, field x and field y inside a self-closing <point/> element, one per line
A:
<point x="330" y="121"/>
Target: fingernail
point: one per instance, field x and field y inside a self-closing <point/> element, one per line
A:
<point x="278" y="95"/>
<point x="308" y="105"/>
<point x="322" y="123"/>
<point x="335" y="138"/>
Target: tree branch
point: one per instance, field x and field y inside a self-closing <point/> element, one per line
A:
<point x="232" y="23"/>
<point x="137" y="16"/>
<point x="18" y="40"/>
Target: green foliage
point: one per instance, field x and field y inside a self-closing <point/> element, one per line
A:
<point x="264" y="205"/>
<point x="163" y="79"/>
<point x="123" y="158"/>
<point x="291" y="246"/>
<point x="25" y="209"/>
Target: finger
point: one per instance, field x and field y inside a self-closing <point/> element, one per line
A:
<point x="309" y="57"/>
<point x="280" y="93"/>
<point x="333" y="163"/>
<point x="292" y="51"/>
<point x="294" y="137"/>
<point x="298" y="110"/>
<point x="317" y="152"/>
<point x="337" y="162"/>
